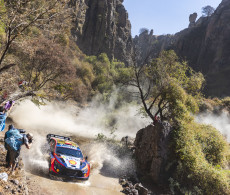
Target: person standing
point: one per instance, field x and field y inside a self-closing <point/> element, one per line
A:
<point x="9" y="105"/>
<point x="3" y="116"/>
<point x="14" y="143"/>
<point x="9" y="133"/>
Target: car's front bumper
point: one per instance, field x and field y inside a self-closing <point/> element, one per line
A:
<point x="70" y="173"/>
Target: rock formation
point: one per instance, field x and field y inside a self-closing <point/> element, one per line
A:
<point x="133" y="188"/>
<point x="102" y="26"/>
<point x="192" y="20"/>
<point x="80" y="13"/>
<point x="205" y="47"/>
<point x="148" y="46"/>
<point x="151" y="151"/>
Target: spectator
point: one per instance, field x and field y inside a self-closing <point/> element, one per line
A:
<point x="8" y="134"/>
<point x="157" y="119"/>
<point x="22" y="84"/>
<point x="2" y="118"/>
<point x="14" y="143"/>
<point x="9" y="105"/>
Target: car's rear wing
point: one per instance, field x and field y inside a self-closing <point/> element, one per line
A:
<point x="49" y="136"/>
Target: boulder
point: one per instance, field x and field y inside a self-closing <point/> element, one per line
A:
<point x="152" y="145"/>
<point x="141" y="189"/>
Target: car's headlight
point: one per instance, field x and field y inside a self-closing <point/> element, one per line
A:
<point x="85" y="169"/>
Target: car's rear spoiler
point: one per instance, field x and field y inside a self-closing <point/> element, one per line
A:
<point x="49" y="136"/>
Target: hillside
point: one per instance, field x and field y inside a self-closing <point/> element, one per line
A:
<point x="205" y="46"/>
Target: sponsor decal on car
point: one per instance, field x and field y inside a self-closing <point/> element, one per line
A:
<point x="72" y="162"/>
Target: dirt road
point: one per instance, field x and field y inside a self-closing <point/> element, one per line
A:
<point x="67" y="120"/>
<point x="36" y="170"/>
<point x="97" y="185"/>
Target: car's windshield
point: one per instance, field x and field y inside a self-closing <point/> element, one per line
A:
<point x="69" y="152"/>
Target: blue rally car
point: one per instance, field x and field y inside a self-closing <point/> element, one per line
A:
<point x="66" y="159"/>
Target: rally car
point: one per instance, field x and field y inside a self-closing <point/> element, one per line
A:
<point x="66" y="159"/>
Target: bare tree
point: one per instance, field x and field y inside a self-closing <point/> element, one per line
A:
<point x="207" y="11"/>
<point x="43" y="65"/>
<point x="19" y="15"/>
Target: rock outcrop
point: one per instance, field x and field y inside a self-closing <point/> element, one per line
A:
<point x="192" y="20"/>
<point x="152" y="144"/>
<point x="206" y="46"/>
<point x="80" y="9"/>
<point x="148" y="46"/>
<point x="133" y="188"/>
<point x="102" y="26"/>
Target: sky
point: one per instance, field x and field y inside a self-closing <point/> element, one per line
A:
<point x="164" y="16"/>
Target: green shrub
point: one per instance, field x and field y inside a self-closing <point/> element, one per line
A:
<point x="107" y="74"/>
<point x="62" y="39"/>
<point x="202" y="157"/>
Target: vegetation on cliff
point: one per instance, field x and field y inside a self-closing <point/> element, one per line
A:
<point x="107" y="74"/>
<point x="199" y="154"/>
<point x="37" y="47"/>
<point x="201" y="157"/>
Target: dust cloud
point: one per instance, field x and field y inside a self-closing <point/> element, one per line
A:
<point x="220" y="122"/>
<point x="65" y="118"/>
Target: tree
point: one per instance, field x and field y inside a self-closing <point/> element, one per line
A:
<point x="43" y="65"/>
<point x="143" y="30"/>
<point x="207" y="11"/>
<point x="167" y="86"/>
<point x="2" y="8"/>
<point x="107" y="74"/>
<point x="20" y="15"/>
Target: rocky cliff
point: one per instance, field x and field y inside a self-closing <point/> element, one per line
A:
<point x="148" y="46"/>
<point x="152" y="145"/>
<point x="102" y="26"/>
<point x="205" y="45"/>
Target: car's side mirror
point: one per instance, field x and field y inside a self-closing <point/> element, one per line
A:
<point x="86" y="157"/>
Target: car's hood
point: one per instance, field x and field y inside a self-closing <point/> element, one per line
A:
<point x="71" y="162"/>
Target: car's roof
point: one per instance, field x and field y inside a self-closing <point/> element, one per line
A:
<point x="66" y="144"/>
